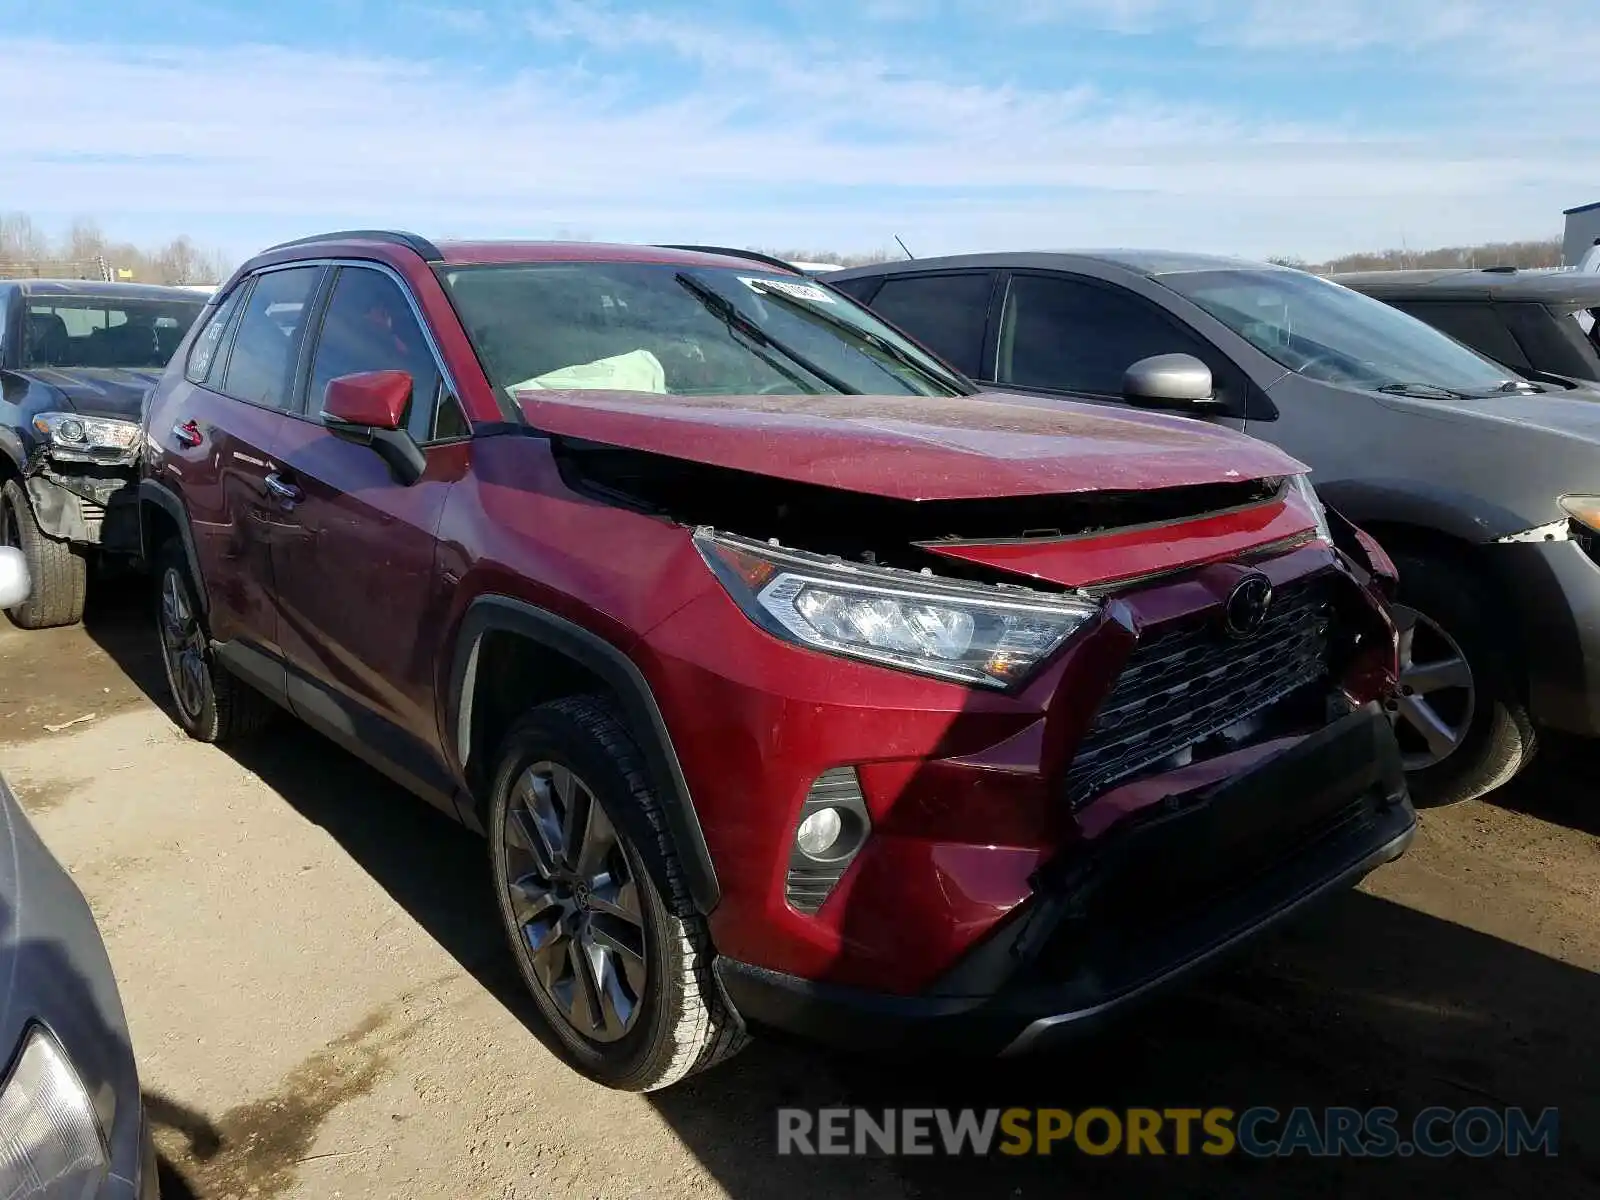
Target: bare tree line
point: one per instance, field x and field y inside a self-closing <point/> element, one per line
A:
<point x="1545" y="252"/>
<point x="84" y="251"/>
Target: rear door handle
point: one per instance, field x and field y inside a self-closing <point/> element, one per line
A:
<point x="187" y="433"/>
<point x="283" y="491"/>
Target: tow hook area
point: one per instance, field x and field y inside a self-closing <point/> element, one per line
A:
<point x="94" y="507"/>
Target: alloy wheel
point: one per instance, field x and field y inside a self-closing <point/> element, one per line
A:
<point x="575" y="902"/>
<point x="182" y="645"/>
<point x="1437" y="697"/>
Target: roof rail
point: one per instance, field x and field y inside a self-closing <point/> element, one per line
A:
<point x="410" y="241"/>
<point x="752" y="255"/>
<point x="1500" y="270"/>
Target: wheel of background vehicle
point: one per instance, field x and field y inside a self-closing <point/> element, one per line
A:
<point x="620" y="972"/>
<point x="1462" y="727"/>
<point x="60" y="575"/>
<point x="211" y="704"/>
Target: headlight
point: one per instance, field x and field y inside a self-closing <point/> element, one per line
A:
<point x="1300" y="485"/>
<point x="90" y="436"/>
<point x="1583" y="509"/>
<point x="50" y="1143"/>
<point x="966" y="632"/>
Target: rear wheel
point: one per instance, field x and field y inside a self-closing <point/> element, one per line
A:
<point x="211" y="704"/>
<point x="619" y="969"/>
<point x="1462" y="726"/>
<point x="59" y="573"/>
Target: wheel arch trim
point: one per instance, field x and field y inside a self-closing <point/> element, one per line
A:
<point x="158" y="495"/>
<point x="494" y="613"/>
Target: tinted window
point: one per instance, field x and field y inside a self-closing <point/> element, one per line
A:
<point x="1475" y="325"/>
<point x="644" y="327"/>
<point x="369" y="326"/>
<point x="1066" y="333"/>
<point x="106" y="331"/>
<point x="203" y="355"/>
<point x="946" y="313"/>
<point x="261" y="366"/>
<point x="1324" y="331"/>
<point x="858" y="289"/>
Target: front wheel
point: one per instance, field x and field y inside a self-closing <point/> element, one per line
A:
<point x="619" y="970"/>
<point x="1459" y="718"/>
<point x="59" y="573"/>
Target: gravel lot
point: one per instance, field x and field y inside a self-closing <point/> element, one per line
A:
<point x="322" y="1008"/>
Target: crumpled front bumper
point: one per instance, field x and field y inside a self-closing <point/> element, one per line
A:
<point x="88" y="506"/>
<point x="1113" y="922"/>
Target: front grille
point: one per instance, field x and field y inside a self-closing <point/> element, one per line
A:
<point x="1189" y="681"/>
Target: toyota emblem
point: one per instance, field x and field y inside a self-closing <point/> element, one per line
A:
<point x="1247" y="606"/>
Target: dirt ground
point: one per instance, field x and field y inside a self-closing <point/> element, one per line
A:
<point x="321" y="1005"/>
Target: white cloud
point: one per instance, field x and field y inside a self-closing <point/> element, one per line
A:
<point x="756" y="143"/>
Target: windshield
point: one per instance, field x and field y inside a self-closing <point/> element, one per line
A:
<point x="687" y="331"/>
<point x="106" y="331"/>
<point x="1324" y="331"/>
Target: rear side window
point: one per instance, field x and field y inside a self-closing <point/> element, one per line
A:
<point x="1476" y="325"/>
<point x="1073" y="335"/>
<point x="947" y="313"/>
<point x="262" y="364"/>
<point x="206" y="351"/>
<point x="370" y="327"/>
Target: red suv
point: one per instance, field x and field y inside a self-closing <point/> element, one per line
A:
<point x="793" y="682"/>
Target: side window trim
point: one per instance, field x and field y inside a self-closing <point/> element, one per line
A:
<point x="447" y="383"/>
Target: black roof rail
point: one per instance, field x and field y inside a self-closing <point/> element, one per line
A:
<point x="752" y="255"/>
<point x="398" y="237"/>
<point x="1502" y="270"/>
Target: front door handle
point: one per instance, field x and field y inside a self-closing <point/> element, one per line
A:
<point x="286" y="492"/>
<point x="187" y="433"/>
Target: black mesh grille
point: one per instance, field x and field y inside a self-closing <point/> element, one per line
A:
<point x="1189" y="681"/>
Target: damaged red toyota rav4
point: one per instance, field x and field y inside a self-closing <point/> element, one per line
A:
<point x="793" y="683"/>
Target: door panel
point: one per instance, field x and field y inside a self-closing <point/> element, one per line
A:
<point x="361" y="597"/>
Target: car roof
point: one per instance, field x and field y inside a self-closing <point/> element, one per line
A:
<point x="100" y="287"/>
<point x="1153" y="263"/>
<point x="472" y="252"/>
<point x="1465" y="283"/>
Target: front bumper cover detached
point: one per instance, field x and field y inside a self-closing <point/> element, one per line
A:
<point x="94" y="506"/>
<point x="1116" y="920"/>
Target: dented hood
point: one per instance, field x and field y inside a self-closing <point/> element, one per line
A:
<point x="915" y="447"/>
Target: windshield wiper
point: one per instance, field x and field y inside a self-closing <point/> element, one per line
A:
<point x="728" y="313"/>
<point x="868" y="338"/>
<point x="1426" y="391"/>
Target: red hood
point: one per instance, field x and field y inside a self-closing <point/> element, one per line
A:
<point x="916" y="447"/>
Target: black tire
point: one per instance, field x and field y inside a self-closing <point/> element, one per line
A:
<point x="1499" y="738"/>
<point x="681" y="1021"/>
<point x="60" y="574"/>
<point x="211" y="704"/>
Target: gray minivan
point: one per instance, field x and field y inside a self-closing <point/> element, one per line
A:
<point x="1484" y="487"/>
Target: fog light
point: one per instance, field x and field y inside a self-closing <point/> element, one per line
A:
<point x="819" y="831"/>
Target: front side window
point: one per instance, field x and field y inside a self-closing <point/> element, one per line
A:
<point x="261" y="365"/>
<point x="1070" y="334"/>
<point x="369" y="326"/>
<point x="105" y="331"/>
<point x="1327" y="332"/>
<point x="673" y="330"/>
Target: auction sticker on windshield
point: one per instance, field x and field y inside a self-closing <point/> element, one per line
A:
<point x="799" y="291"/>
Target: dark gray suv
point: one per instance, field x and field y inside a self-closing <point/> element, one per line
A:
<point x="1483" y="486"/>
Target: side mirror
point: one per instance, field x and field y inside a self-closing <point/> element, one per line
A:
<point x="371" y="400"/>
<point x="1178" y="381"/>
<point x="14" y="582"/>
<point x="369" y="409"/>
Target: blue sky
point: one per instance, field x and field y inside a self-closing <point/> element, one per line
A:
<point x="1243" y="126"/>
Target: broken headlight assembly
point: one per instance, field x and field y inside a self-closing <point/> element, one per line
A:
<point x="1300" y="485"/>
<point x="88" y="439"/>
<point x="965" y="632"/>
<point x="50" y="1140"/>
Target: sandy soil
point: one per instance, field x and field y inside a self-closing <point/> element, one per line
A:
<point x="321" y="1005"/>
